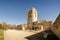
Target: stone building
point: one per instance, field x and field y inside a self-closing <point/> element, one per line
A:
<point x="43" y="24"/>
<point x="34" y="23"/>
<point x="19" y="27"/>
<point x="31" y="17"/>
<point x="57" y="22"/>
<point x="11" y="26"/>
<point x="22" y="27"/>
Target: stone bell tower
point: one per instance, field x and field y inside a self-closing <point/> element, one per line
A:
<point x="32" y="17"/>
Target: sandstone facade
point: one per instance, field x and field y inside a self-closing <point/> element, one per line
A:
<point x="57" y="22"/>
<point x="34" y="23"/>
<point x="32" y="17"/>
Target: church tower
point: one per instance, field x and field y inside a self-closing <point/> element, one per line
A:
<point x="32" y="17"/>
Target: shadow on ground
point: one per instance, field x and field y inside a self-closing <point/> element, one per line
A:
<point x="45" y="35"/>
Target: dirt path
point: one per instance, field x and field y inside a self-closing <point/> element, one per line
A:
<point x="16" y="34"/>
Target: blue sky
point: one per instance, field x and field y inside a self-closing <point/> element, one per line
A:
<point x="15" y="11"/>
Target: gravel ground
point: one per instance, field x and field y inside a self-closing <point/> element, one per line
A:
<point x="16" y="34"/>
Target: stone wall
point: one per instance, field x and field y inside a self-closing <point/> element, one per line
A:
<point x="56" y="26"/>
<point x="57" y="22"/>
<point x="42" y="25"/>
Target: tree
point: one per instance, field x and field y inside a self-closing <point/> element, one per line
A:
<point x="0" y="26"/>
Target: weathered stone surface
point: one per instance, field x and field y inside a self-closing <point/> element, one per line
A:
<point x="57" y="22"/>
<point x="32" y="17"/>
<point x="56" y="26"/>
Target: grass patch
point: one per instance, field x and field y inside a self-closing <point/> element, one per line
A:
<point x="1" y="34"/>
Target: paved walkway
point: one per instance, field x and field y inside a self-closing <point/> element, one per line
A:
<point x="16" y="34"/>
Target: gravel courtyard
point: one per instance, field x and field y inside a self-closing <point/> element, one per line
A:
<point x="16" y="34"/>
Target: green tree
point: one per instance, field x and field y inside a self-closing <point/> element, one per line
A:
<point x="0" y="26"/>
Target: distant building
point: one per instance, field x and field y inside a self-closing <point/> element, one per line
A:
<point x="22" y="27"/>
<point x="19" y="27"/>
<point x="11" y="26"/>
